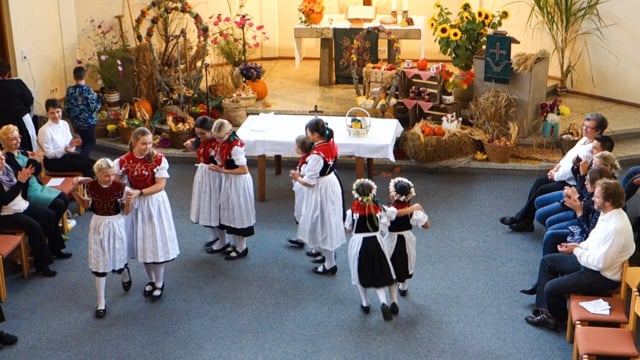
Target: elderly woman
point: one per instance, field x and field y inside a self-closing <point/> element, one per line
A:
<point x="17" y="214"/>
<point x="38" y="194"/>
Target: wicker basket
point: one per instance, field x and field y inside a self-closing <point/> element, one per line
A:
<point x="352" y="120"/>
<point x="567" y="143"/>
<point x="179" y="137"/>
<point x="498" y="153"/>
<point x="101" y="126"/>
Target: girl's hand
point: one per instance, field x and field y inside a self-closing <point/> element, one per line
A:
<point x="189" y="144"/>
<point x="75" y="142"/>
<point x="294" y="174"/>
<point x="216" y="168"/>
<point x="25" y="173"/>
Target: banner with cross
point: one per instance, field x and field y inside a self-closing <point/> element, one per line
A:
<point x="497" y="62"/>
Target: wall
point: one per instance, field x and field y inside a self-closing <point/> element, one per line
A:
<point x="52" y="48"/>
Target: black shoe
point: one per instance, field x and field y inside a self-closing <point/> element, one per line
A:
<point x="321" y="270"/>
<point x="235" y="254"/>
<point x="126" y="285"/>
<point x="296" y="242"/>
<point x="7" y="339"/>
<point x="211" y="242"/>
<point x="365" y="309"/>
<point x="403" y="292"/>
<point x="508" y="220"/>
<point x="319" y="260"/>
<point x="314" y="253"/>
<point x="211" y="250"/>
<point x="536" y="311"/>
<point x="100" y="313"/>
<point x="62" y="255"/>
<point x="46" y="272"/>
<point x="543" y="320"/>
<point x="530" y="291"/>
<point x="148" y="289"/>
<point x="394" y="308"/>
<point x="157" y="293"/>
<point x="386" y="312"/>
<point x="522" y="226"/>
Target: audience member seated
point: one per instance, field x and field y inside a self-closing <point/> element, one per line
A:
<point x="593" y="267"/>
<point x="6" y="338"/>
<point x="59" y="145"/>
<point x="560" y="176"/>
<point x="17" y="214"/>
<point x="557" y="215"/>
<point x="587" y="217"/>
<point x="38" y="194"/>
<point x="631" y="182"/>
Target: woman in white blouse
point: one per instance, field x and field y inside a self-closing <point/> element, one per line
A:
<point x="59" y="145"/>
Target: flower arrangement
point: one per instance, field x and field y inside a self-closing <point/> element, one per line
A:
<point x="309" y="9"/>
<point x="252" y="71"/>
<point x="104" y="52"/>
<point x="465" y="35"/>
<point x="453" y="81"/>
<point x="235" y="38"/>
<point x="552" y="110"/>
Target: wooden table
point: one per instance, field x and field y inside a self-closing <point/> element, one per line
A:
<point x="274" y="135"/>
<point x="324" y="32"/>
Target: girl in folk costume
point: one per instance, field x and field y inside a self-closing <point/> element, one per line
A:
<point x="237" y="208"/>
<point x="322" y="211"/>
<point x="107" y="235"/>
<point x="150" y="224"/>
<point x="205" y="196"/>
<point x="399" y="240"/>
<point x="303" y="148"/>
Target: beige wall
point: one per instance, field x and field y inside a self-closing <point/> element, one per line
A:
<point x="48" y="30"/>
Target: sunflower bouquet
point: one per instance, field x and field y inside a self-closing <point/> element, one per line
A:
<point x="464" y="35"/>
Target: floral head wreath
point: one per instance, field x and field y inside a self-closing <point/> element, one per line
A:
<point x="367" y="198"/>
<point x="395" y="195"/>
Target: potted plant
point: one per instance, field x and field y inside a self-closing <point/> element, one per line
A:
<point x="311" y="12"/>
<point x="252" y="74"/>
<point x="569" y="23"/>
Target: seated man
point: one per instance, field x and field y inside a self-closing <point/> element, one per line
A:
<point x="631" y="182"/>
<point x="593" y="267"/>
<point x="59" y="145"/>
<point x="560" y="176"/>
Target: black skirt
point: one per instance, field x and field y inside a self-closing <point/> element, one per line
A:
<point x="400" y="261"/>
<point x="373" y="266"/>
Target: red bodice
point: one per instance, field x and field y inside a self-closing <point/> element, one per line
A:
<point x="140" y="173"/>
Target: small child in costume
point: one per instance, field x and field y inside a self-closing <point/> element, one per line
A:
<point x="399" y="241"/>
<point x="368" y="260"/>
<point x="303" y="148"/>
<point x="107" y="235"/>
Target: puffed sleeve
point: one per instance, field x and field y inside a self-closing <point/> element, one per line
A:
<point x="348" y="222"/>
<point x="238" y="156"/>
<point x="162" y="171"/>
<point x="419" y="218"/>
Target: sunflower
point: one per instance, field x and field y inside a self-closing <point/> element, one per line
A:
<point x="455" y="34"/>
<point x="504" y="14"/>
<point x="466" y="16"/>
<point x="487" y="17"/>
<point x="465" y="6"/>
<point x="432" y="23"/>
<point x="437" y="4"/>
<point x="443" y="30"/>
<point x="480" y="14"/>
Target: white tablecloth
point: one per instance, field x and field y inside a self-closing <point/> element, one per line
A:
<point x="270" y="134"/>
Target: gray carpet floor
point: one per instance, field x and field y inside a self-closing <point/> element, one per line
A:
<point x="463" y="302"/>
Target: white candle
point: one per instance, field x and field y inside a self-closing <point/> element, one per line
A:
<point x="394" y="5"/>
<point x="405" y="5"/>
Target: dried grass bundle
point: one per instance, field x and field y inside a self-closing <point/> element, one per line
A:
<point x="146" y="83"/>
<point x="492" y="112"/>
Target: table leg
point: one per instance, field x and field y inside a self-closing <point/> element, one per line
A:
<point x="359" y="167"/>
<point x="326" y="62"/>
<point x="391" y="52"/>
<point x="262" y="162"/>
<point x="277" y="162"/>
<point x="370" y="172"/>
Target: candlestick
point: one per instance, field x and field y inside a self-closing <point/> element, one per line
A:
<point x="405" y="5"/>
<point x="394" y="5"/>
<point x="405" y="18"/>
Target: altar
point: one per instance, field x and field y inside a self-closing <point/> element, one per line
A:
<point x="324" y="32"/>
<point x="274" y="135"/>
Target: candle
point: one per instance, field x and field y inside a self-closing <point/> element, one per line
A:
<point x="394" y="5"/>
<point x="405" y="5"/>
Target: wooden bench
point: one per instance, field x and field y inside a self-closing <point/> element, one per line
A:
<point x="8" y="243"/>
<point x="66" y="187"/>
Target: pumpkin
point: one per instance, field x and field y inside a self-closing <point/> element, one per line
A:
<point x="142" y="104"/>
<point x="422" y="64"/>
<point x="259" y="87"/>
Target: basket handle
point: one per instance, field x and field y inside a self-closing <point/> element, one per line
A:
<point x="366" y="120"/>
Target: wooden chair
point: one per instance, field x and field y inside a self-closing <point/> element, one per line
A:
<point x="8" y="243"/>
<point x="592" y="341"/>
<point x="618" y="315"/>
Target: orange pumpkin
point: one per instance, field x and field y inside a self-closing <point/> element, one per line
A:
<point x="259" y="87"/>
<point x="142" y="104"/>
<point x="438" y="131"/>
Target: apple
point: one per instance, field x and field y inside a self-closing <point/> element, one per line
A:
<point x="422" y="64"/>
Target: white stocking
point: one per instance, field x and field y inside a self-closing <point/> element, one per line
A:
<point x="221" y="236"/>
<point x="329" y="258"/>
<point x="241" y="242"/>
<point x="393" y="292"/>
<point x="149" y="269"/>
<point x="158" y="272"/>
<point x="364" y="299"/>
<point x="382" y="295"/>
<point x="101" y="283"/>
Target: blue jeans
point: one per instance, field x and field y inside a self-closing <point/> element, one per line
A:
<point x="561" y="275"/>
<point x="553" y="238"/>
<point x="544" y="213"/>
<point x="562" y="220"/>
<point x="548" y="199"/>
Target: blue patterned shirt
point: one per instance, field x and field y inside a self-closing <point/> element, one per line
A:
<point x="81" y="103"/>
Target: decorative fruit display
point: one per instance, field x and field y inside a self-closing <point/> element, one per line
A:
<point x="480" y="156"/>
<point x="356" y="123"/>
<point x="178" y="123"/>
